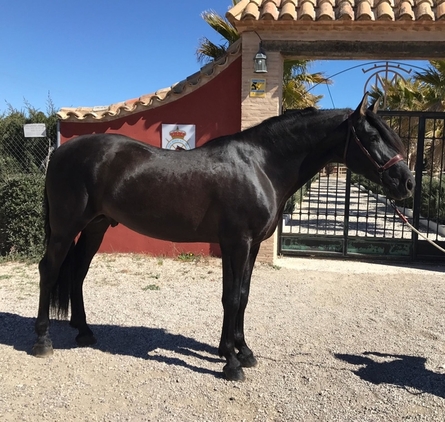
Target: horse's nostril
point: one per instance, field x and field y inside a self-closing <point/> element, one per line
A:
<point x="409" y="185"/>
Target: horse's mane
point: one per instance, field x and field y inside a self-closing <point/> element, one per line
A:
<point x="283" y="130"/>
<point x="288" y="132"/>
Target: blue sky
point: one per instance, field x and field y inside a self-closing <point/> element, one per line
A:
<point x="352" y="78"/>
<point x="93" y="53"/>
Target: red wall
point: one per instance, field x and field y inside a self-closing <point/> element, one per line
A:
<point x="215" y="109"/>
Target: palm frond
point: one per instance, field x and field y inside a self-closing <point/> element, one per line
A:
<point x="208" y="51"/>
<point x="221" y="25"/>
<point x="432" y="81"/>
<point x="295" y="76"/>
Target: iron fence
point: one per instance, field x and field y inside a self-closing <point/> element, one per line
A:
<point x="345" y="215"/>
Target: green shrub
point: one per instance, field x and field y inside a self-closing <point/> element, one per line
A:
<point x="433" y="199"/>
<point x="21" y="217"/>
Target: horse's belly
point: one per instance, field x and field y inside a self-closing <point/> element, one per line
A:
<point x="171" y="228"/>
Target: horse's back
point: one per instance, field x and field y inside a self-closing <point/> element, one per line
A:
<point x="98" y="148"/>
<point x="98" y="160"/>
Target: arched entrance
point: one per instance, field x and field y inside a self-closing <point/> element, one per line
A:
<point x="320" y="29"/>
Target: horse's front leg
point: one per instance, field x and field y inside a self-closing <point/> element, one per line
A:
<point x="245" y="354"/>
<point x="234" y="262"/>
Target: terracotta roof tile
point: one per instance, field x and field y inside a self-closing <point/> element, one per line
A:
<point x="306" y="10"/>
<point x="364" y="11"/>
<point x="288" y="10"/>
<point x="353" y="10"/>
<point x="326" y="10"/>
<point x="440" y="10"/>
<point x="345" y="10"/>
<point x="160" y="97"/>
<point x="269" y="10"/>
<point x="251" y="11"/>
<point x="424" y="10"/>
<point x="384" y="10"/>
<point x="405" y="10"/>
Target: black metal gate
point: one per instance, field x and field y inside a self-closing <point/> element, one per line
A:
<point x="341" y="214"/>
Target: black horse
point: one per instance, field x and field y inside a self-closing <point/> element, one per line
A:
<point x="230" y="191"/>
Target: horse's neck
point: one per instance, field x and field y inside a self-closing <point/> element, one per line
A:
<point x="310" y="154"/>
<point x="323" y="133"/>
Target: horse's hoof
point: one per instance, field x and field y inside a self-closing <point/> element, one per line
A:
<point x="85" y="340"/>
<point x="248" y="361"/>
<point x="234" y="374"/>
<point x="41" y="350"/>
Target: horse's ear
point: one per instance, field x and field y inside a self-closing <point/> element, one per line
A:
<point x="374" y="107"/>
<point x="361" y="109"/>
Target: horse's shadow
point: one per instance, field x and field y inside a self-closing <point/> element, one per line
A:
<point x="404" y="371"/>
<point x="140" y="342"/>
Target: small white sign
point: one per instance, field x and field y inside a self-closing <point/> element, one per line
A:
<point x="35" y="130"/>
<point x="178" y="136"/>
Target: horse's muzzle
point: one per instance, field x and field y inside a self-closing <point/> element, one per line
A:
<point x="399" y="188"/>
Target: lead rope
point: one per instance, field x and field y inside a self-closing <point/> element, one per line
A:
<point x="405" y="220"/>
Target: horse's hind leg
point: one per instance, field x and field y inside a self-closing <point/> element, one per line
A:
<point x="234" y="262"/>
<point x="88" y="244"/>
<point x="49" y="268"/>
<point x="245" y="355"/>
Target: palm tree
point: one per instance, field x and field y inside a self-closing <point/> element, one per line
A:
<point x="406" y="95"/>
<point x="295" y="85"/>
<point x="295" y="75"/>
<point x="432" y="80"/>
<point x="425" y="91"/>
<point x="207" y="50"/>
<point x="400" y="94"/>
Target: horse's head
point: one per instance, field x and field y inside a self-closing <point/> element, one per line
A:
<point x="375" y="151"/>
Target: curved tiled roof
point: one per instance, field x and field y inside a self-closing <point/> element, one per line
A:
<point x="266" y="11"/>
<point x="158" y="98"/>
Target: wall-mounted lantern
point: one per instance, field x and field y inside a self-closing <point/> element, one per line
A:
<point x="260" y="61"/>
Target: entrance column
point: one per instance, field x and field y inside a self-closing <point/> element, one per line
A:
<point x="261" y="98"/>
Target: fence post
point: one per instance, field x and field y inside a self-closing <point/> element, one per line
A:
<point x="418" y="177"/>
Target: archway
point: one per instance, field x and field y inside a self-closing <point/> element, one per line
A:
<point x="320" y="29"/>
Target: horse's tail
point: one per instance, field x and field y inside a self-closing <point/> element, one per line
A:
<point x="61" y="291"/>
<point x="46" y="226"/>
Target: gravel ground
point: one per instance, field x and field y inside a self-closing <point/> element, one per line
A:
<point x="336" y="341"/>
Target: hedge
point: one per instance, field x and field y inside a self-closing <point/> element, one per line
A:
<point x="21" y="216"/>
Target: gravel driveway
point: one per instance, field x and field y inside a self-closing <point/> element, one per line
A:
<point x="336" y="341"/>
